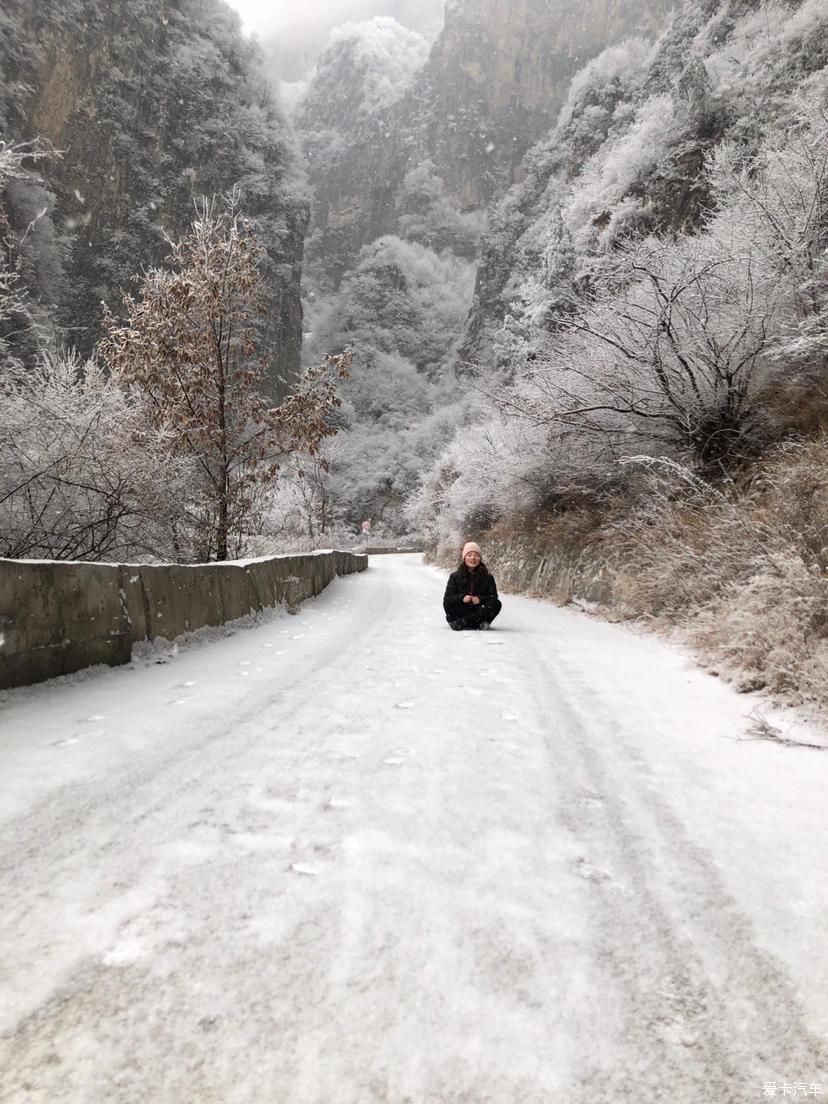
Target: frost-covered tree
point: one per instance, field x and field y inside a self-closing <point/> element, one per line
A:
<point x="427" y="215"/>
<point x="79" y="478"/>
<point x="778" y="201"/>
<point x="190" y="355"/>
<point x="29" y="262"/>
<point x="671" y="362"/>
<point x="72" y="484"/>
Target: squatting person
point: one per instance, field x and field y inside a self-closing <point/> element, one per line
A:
<point x="471" y="600"/>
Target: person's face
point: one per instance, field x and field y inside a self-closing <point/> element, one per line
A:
<point x="472" y="559"/>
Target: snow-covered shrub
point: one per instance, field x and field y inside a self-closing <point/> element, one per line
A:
<point x="78" y="477"/>
<point x="610" y="75"/>
<point x="743" y="569"/>
<point x="769" y="632"/>
<point x="299" y="512"/>
<point x="502" y="468"/>
<point x="473" y="480"/>
<point x="620" y="163"/>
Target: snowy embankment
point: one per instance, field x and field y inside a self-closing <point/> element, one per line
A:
<point x="352" y="857"/>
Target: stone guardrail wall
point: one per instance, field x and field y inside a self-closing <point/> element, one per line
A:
<point x="56" y="618"/>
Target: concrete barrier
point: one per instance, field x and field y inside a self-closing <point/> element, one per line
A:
<point x="56" y="618"/>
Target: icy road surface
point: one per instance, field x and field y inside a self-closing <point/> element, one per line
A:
<point x="351" y="857"/>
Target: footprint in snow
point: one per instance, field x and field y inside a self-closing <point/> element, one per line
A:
<point x="591" y="873"/>
<point x="305" y="870"/>
<point x="179" y="701"/>
<point x="334" y="803"/>
<point x="405" y="705"/>
<point x="96" y="717"/>
<point x="65" y="743"/>
<point x="512" y="717"/>
<point x="587" y="797"/>
<point x="506" y="745"/>
<point x="394" y="762"/>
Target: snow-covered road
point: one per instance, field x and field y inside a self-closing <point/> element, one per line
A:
<point x="351" y="857"/>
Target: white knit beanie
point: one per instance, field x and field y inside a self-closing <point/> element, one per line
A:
<point x="471" y="547"/>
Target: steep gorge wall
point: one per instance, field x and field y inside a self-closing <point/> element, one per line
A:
<point x="152" y="103"/>
<point x="498" y="77"/>
<point x="493" y="84"/>
<point x="718" y="68"/>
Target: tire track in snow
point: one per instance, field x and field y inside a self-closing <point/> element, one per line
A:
<point x="701" y="1012"/>
<point x="506" y="915"/>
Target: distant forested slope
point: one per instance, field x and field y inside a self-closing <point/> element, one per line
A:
<point x="406" y="146"/>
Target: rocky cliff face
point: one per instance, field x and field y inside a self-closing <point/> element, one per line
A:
<point x="152" y="103"/>
<point x="536" y="253"/>
<point x="351" y="131"/>
<point x="499" y="75"/>
<point x="493" y="84"/>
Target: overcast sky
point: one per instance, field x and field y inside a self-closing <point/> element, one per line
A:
<point x="266" y="17"/>
<point x="294" y="32"/>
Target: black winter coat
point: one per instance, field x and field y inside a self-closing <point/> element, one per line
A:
<point x="460" y="584"/>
